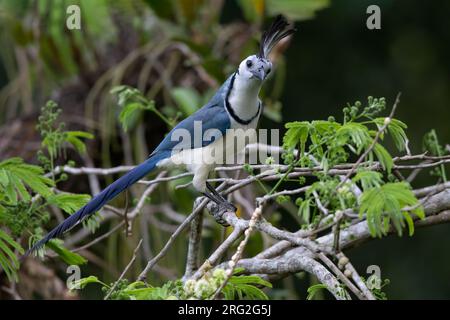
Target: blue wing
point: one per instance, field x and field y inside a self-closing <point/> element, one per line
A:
<point x="211" y="116"/>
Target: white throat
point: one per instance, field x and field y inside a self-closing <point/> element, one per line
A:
<point x="244" y="97"/>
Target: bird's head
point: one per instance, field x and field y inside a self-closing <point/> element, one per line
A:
<point x="254" y="67"/>
<point x="257" y="67"/>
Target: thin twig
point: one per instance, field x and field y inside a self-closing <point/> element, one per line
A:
<point x="98" y="239"/>
<point x="133" y="258"/>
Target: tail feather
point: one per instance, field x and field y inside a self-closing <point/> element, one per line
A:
<point x="101" y="199"/>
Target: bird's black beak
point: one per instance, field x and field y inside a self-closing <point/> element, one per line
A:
<point x="259" y="74"/>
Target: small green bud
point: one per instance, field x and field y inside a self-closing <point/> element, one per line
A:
<point x="301" y="180"/>
<point x="189" y="287"/>
<point x="219" y="274"/>
<point x="281" y="199"/>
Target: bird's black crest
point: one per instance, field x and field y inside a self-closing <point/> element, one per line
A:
<point x="277" y="31"/>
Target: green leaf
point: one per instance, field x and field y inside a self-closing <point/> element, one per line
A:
<point x="323" y="127"/>
<point x="69" y="202"/>
<point x="83" y="282"/>
<point x="355" y="134"/>
<point x="141" y="293"/>
<point x="387" y="204"/>
<point x="384" y="157"/>
<point x="16" y="174"/>
<point x="20" y="187"/>
<point x="8" y="259"/>
<point x="66" y="255"/>
<point x="4" y="180"/>
<point x="296" y="134"/>
<point x="130" y="114"/>
<point x="73" y="137"/>
<point x="250" y="280"/>
<point x="368" y="179"/>
<point x="245" y="287"/>
<point x="304" y="210"/>
<point x="396" y="129"/>
<point x="312" y="291"/>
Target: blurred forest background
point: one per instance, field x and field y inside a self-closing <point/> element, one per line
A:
<point x="177" y="53"/>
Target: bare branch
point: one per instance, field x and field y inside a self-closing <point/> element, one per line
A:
<point x="194" y="245"/>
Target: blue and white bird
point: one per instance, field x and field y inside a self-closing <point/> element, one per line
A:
<point x="235" y="105"/>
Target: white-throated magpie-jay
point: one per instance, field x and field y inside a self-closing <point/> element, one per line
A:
<point x="235" y="105"/>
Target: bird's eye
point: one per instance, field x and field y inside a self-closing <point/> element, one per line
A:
<point x="249" y="63"/>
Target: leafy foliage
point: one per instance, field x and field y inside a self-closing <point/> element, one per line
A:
<point x="67" y="256"/>
<point x="392" y="202"/>
<point x="331" y="143"/>
<point x="69" y="202"/>
<point x="55" y="138"/>
<point x="368" y="179"/>
<point x="83" y="282"/>
<point x="15" y="175"/>
<point x="312" y="290"/>
<point x="26" y="192"/>
<point x="8" y="259"/>
<point x="376" y="285"/>
<point x="245" y="287"/>
<point x="238" y="287"/>
<point x="132" y="103"/>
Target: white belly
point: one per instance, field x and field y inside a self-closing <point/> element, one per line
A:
<point x="227" y="150"/>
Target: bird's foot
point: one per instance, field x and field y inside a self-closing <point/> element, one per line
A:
<point x="217" y="210"/>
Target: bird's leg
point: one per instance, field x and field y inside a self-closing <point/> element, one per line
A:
<point x="228" y="204"/>
<point x="214" y="192"/>
<point x="216" y="208"/>
<point x="212" y="197"/>
<point x="220" y="205"/>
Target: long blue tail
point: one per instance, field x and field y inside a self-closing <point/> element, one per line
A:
<point x="103" y="197"/>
